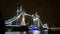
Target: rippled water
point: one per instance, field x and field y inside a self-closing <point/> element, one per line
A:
<point x="36" y="32"/>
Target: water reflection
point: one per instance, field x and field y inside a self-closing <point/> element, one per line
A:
<point x="29" y="32"/>
<point x="44" y="32"/>
<point x="35" y="32"/>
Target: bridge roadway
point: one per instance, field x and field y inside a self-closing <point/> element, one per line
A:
<point x="30" y="27"/>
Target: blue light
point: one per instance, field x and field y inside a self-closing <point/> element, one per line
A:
<point x="35" y="27"/>
<point x="18" y="23"/>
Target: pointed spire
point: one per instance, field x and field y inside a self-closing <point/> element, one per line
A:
<point x="36" y="14"/>
<point x="17" y="10"/>
<point x="21" y="8"/>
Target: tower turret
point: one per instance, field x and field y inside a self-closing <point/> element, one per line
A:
<point x="23" y="19"/>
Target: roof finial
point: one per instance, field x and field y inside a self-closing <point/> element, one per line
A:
<point x="21" y="8"/>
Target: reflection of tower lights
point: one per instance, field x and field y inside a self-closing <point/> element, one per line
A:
<point x="35" y="30"/>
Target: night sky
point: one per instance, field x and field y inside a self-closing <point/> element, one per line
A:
<point x="49" y="10"/>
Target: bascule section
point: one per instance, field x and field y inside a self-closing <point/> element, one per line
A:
<point x="20" y="20"/>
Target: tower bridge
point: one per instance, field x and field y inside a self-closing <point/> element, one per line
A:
<point x="35" y="17"/>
